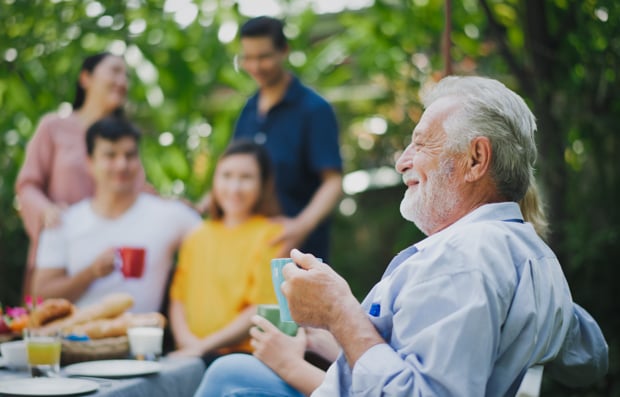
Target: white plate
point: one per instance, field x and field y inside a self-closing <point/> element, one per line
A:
<point x="113" y="368"/>
<point x="47" y="386"/>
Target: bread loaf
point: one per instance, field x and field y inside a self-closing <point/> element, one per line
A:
<point x="49" y="311"/>
<point x="113" y="327"/>
<point x="110" y="306"/>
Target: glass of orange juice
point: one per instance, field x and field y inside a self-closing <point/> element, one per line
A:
<point x="43" y="349"/>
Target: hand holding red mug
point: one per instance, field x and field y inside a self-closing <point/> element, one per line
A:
<point x="104" y="264"/>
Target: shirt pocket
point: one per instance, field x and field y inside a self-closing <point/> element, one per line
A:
<point x="383" y="324"/>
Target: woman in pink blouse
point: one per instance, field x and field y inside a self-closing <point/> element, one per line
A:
<point x="54" y="173"/>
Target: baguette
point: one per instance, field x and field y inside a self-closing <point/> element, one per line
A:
<point x="49" y="311"/>
<point x="114" y="327"/>
<point x="110" y="306"/>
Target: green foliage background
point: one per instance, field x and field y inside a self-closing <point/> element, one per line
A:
<point x="561" y="55"/>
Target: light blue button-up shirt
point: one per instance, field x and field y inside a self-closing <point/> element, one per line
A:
<point x="468" y="313"/>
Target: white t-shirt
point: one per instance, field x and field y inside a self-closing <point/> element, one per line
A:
<point x="156" y="224"/>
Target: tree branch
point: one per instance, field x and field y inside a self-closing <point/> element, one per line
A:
<point x="447" y="38"/>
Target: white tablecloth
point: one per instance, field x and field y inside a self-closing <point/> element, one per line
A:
<point x="179" y="377"/>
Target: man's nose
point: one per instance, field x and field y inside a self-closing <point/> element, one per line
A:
<point x="121" y="78"/>
<point x="251" y="66"/>
<point x="122" y="162"/>
<point x="405" y="160"/>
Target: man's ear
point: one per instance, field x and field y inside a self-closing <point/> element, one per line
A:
<point x="286" y="51"/>
<point x="84" y="79"/>
<point x="89" y="165"/>
<point x="479" y="158"/>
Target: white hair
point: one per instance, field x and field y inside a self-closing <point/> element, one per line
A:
<point x="489" y="109"/>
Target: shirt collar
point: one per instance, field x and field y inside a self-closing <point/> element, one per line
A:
<point x="294" y="91"/>
<point x="488" y="212"/>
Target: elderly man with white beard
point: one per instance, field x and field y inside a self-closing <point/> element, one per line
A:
<point x="467" y="310"/>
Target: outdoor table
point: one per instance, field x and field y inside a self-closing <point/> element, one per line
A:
<point x="178" y="377"/>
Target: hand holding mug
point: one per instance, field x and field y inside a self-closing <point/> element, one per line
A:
<point x="273" y="347"/>
<point x="104" y="264"/>
<point x="316" y="295"/>
<point x="277" y="277"/>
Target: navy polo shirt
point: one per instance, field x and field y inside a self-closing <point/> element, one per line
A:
<point x="300" y="134"/>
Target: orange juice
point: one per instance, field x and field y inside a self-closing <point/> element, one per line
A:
<point x="43" y="351"/>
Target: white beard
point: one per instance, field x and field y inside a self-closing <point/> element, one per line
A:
<point x="430" y="204"/>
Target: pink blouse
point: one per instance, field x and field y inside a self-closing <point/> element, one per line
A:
<point x="54" y="171"/>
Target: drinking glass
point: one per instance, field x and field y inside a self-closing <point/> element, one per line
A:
<point x="145" y="343"/>
<point x="43" y="351"/>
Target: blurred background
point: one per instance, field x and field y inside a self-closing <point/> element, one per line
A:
<point x="369" y="59"/>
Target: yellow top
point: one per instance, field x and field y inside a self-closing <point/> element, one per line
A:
<point x="222" y="270"/>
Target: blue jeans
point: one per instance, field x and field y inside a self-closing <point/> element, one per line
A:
<point x="237" y="375"/>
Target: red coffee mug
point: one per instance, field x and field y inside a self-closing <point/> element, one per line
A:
<point x="131" y="261"/>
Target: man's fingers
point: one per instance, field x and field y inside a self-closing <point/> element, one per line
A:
<point x="288" y="271"/>
<point x="300" y="261"/>
<point x="255" y="333"/>
<point x="305" y="261"/>
<point x="263" y="323"/>
<point x="301" y="333"/>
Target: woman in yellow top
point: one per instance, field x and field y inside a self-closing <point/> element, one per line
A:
<point x="223" y="267"/>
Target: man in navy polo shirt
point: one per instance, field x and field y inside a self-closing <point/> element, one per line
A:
<point x="300" y="132"/>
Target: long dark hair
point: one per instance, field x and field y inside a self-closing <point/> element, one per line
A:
<point x="267" y="203"/>
<point x="89" y="64"/>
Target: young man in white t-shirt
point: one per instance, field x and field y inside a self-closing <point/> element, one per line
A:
<point x="77" y="260"/>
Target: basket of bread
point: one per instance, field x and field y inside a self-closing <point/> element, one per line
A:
<point x="96" y="332"/>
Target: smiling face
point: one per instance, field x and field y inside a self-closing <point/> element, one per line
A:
<point x="262" y="60"/>
<point x="115" y="165"/>
<point x="107" y="83"/>
<point x="430" y="172"/>
<point x="237" y="186"/>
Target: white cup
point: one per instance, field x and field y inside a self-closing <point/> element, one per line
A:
<point x="145" y="343"/>
<point x="14" y="354"/>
